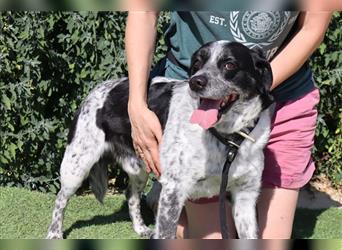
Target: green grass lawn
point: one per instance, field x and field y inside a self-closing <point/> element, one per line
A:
<point x="26" y="215"/>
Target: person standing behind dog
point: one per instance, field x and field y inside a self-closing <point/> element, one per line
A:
<point x="288" y="164"/>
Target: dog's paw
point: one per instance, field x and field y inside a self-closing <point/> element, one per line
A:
<point x="145" y="232"/>
<point x="159" y="236"/>
<point x="54" y="236"/>
<point x="153" y="236"/>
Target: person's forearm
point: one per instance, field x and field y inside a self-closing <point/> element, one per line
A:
<point x="139" y="44"/>
<point x="311" y="32"/>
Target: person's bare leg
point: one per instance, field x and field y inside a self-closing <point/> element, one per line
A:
<point x="182" y="226"/>
<point x="202" y="221"/>
<point x="276" y="208"/>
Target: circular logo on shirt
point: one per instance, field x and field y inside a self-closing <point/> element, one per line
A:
<point x="257" y="29"/>
<point x="260" y="25"/>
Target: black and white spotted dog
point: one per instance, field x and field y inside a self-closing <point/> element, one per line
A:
<point x="228" y="90"/>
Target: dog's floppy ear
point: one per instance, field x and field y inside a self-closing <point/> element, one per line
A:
<point x="198" y="58"/>
<point x="194" y="65"/>
<point x="265" y="76"/>
<point x="192" y="70"/>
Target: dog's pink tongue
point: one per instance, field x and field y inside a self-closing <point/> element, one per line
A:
<point x="206" y="114"/>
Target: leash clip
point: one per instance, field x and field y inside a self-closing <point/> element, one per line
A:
<point x="231" y="156"/>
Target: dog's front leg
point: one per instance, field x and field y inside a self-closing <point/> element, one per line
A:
<point x="244" y="212"/>
<point x="171" y="202"/>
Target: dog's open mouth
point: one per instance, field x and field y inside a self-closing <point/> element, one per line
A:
<point x="210" y="110"/>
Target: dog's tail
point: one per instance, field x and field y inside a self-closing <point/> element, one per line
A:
<point x="98" y="179"/>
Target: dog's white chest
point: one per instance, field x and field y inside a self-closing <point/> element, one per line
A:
<point x="188" y="151"/>
<point x="195" y="158"/>
<point x="192" y="157"/>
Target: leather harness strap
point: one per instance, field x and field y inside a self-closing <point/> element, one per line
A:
<point x="232" y="142"/>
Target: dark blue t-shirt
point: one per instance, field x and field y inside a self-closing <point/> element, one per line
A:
<point x="265" y="30"/>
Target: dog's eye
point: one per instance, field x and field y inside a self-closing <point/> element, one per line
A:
<point x="230" y="66"/>
<point x="195" y="67"/>
<point x="196" y="64"/>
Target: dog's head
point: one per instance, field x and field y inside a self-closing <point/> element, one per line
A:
<point x="223" y="75"/>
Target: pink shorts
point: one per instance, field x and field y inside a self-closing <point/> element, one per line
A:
<point x="288" y="161"/>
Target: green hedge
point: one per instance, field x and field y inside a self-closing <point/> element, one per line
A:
<point x="50" y="61"/>
<point x="48" y="64"/>
<point x="327" y="66"/>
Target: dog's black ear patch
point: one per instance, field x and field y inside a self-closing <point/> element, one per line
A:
<point x="265" y="76"/>
<point x="194" y="66"/>
<point x="199" y="58"/>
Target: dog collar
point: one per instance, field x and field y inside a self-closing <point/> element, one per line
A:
<point x="232" y="142"/>
<point x="235" y="139"/>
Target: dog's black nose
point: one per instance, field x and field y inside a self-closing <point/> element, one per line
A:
<point x="198" y="82"/>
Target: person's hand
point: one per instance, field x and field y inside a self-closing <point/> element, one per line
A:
<point x="146" y="135"/>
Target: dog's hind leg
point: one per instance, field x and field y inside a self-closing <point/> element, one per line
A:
<point x="77" y="162"/>
<point x="55" y="228"/>
<point x="137" y="181"/>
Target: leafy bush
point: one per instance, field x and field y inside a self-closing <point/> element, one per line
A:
<point x="48" y="64"/>
<point x="50" y="61"/>
<point x="327" y="66"/>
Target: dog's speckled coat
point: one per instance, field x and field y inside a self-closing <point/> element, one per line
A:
<point x="191" y="158"/>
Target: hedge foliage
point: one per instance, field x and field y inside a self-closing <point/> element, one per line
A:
<point x="50" y="61"/>
<point x="48" y="64"/>
<point x="327" y="66"/>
